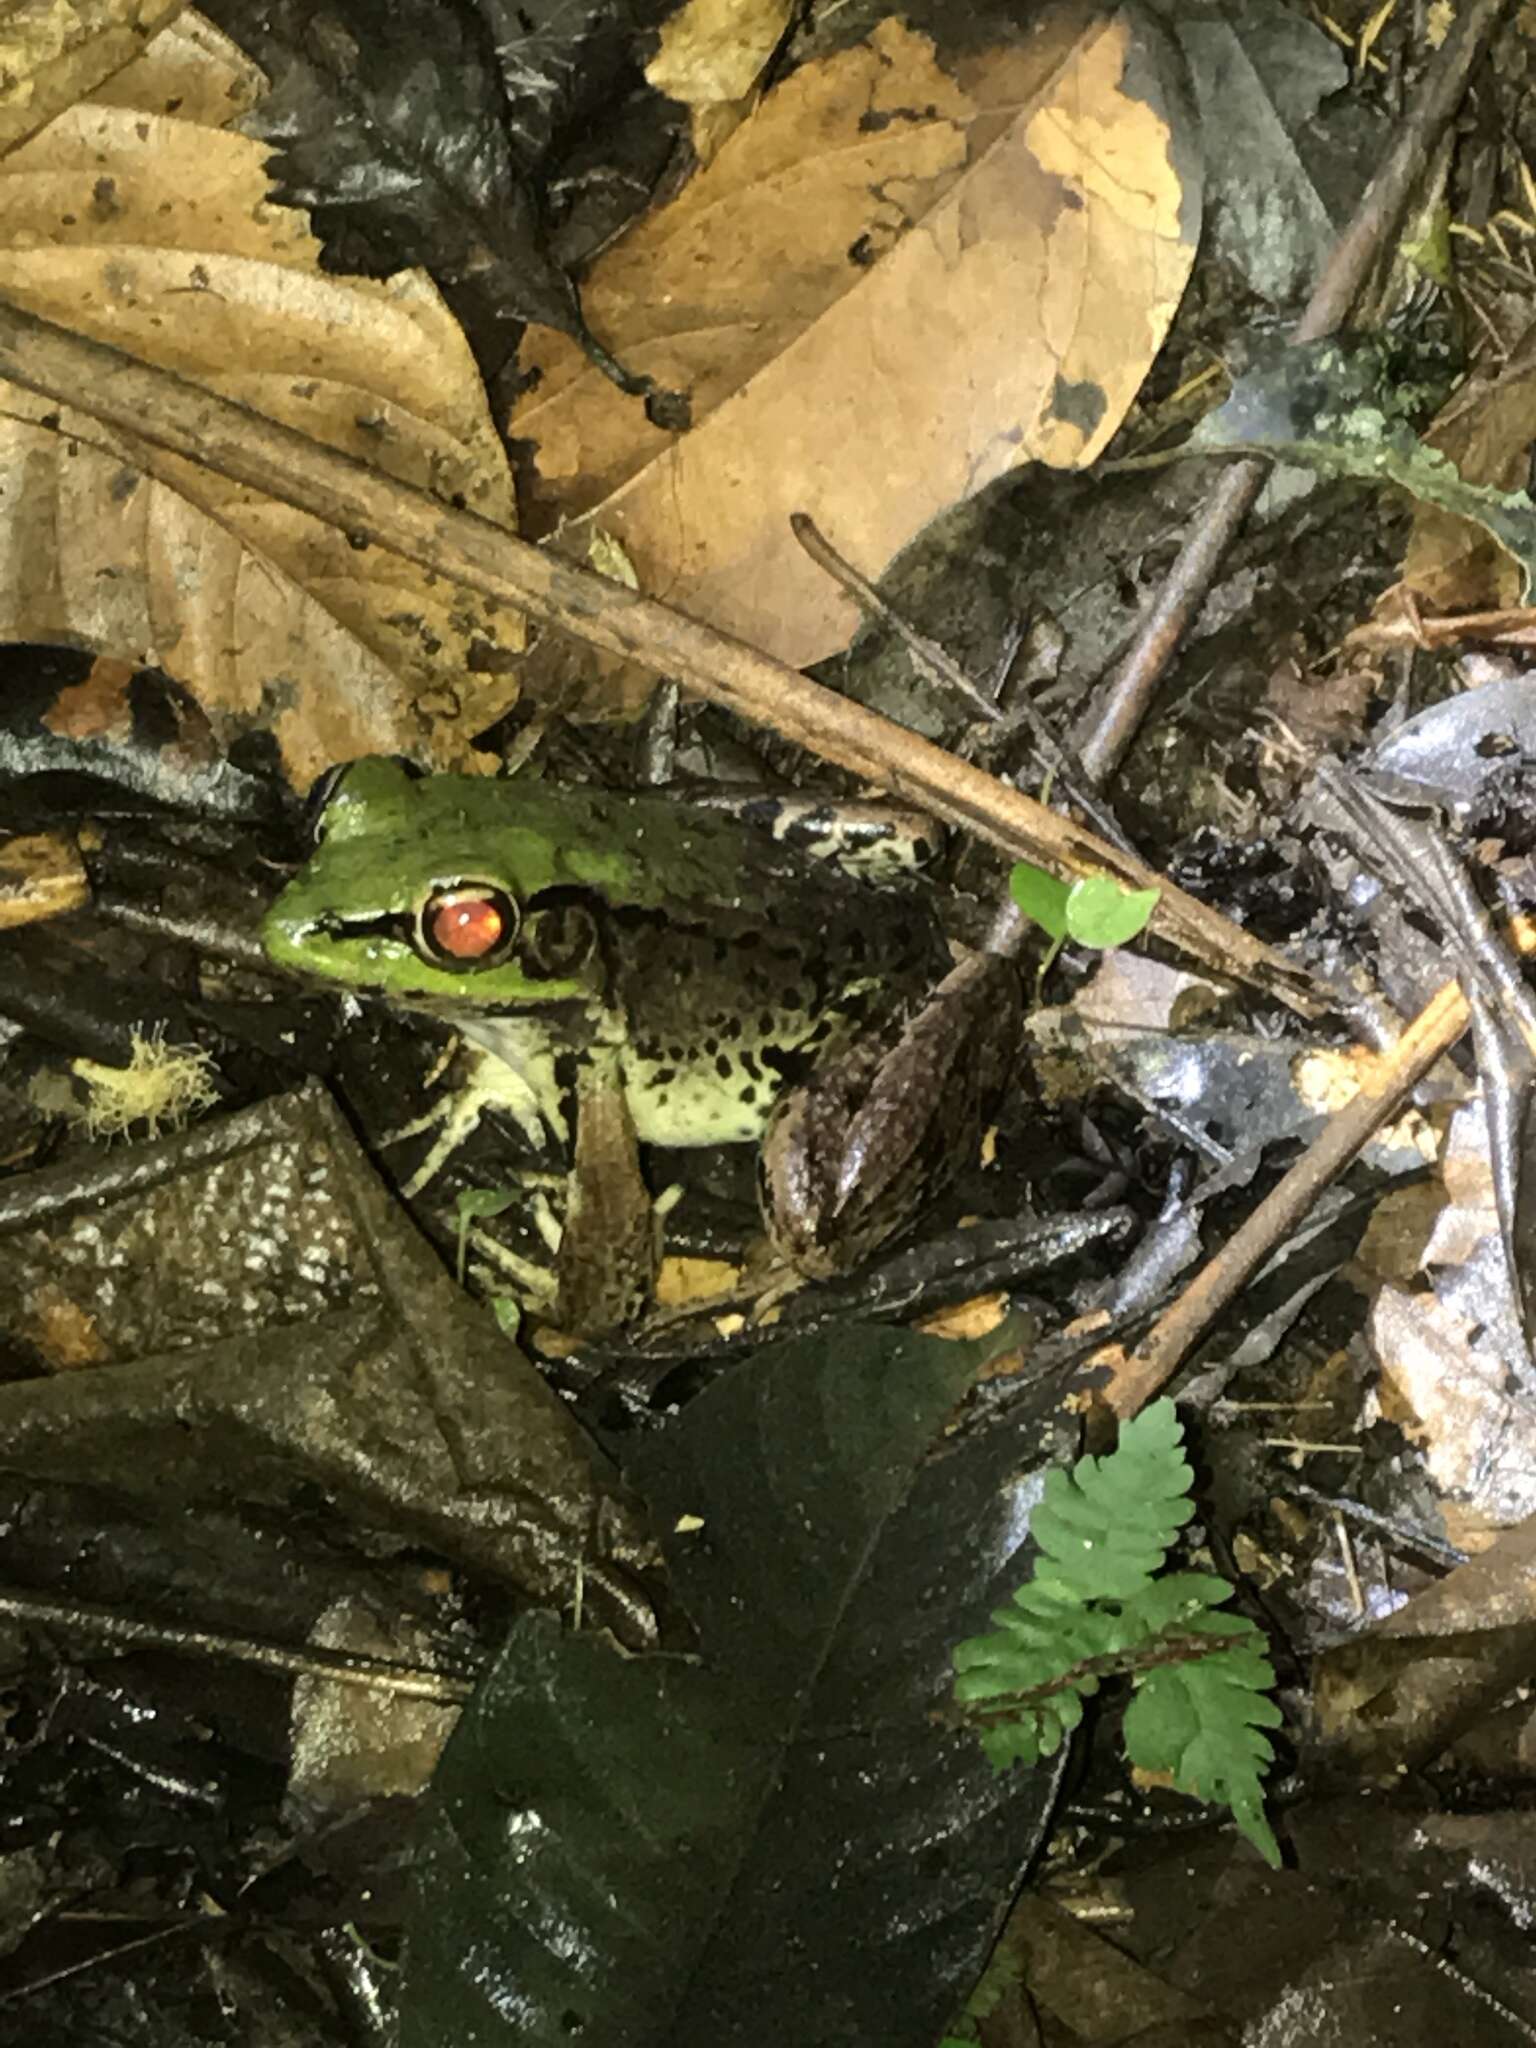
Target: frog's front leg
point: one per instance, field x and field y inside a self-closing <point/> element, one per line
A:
<point x="607" y="1244"/>
<point x="851" y="1158"/>
<point x="510" y="1078"/>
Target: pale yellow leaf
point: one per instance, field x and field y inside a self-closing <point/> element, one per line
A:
<point x="711" y="56"/>
<point x="192" y="70"/>
<point x="715" y="49"/>
<point x="685" y="1282"/>
<point x="41" y="876"/>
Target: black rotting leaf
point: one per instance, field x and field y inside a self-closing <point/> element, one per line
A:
<point x="410" y="131"/>
<point x="1347" y="407"/>
<point x="778" y="1839"/>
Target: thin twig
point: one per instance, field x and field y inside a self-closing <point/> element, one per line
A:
<point x="340" y="1667"/>
<point x="935" y="662"/>
<point x="161" y="410"/>
<point x="928" y="655"/>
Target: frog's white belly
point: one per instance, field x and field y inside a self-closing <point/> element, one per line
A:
<point x="519" y="1075"/>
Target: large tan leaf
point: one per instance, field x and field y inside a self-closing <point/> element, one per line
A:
<point x="155" y="233"/>
<point x="890" y="287"/>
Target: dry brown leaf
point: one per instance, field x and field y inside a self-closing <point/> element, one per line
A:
<point x="891" y="287"/>
<point x="155" y="233"/>
<point x="1396" y="1695"/>
<point x="965" y="1321"/>
<point x="683" y="1282"/>
<point x="192" y="70"/>
<point x="711" y="56"/>
<point x="1487" y="430"/>
<point x="716" y="49"/>
<point x="53" y="52"/>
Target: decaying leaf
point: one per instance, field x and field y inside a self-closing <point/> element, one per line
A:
<point x="1453" y="1357"/>
<point x="192" y="70"/>
<point x="41" y="876"/>
<point x="1394" y="1697"/>
<point x="154" y="232"/>
<point x="892" y="286"/>
<point x="53" y="52"/>
<point x="408" y="134"/>
<point x="1259" y="71"/>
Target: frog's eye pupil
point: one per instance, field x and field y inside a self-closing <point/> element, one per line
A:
<point x="467" y="927"/>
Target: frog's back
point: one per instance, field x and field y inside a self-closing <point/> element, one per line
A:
<point x="650" y="851"/>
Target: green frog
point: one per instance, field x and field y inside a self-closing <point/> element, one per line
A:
<point x="637" y="971"/>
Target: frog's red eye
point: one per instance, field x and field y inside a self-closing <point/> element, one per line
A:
<point x="472" y="925"/>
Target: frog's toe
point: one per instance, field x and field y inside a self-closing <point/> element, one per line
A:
<point x="547" y="1223"/>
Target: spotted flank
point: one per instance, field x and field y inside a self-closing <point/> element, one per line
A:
<point x="721" y="1091"/>
<point x="720" y="1021"/>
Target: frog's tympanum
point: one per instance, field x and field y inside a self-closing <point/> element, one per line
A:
<point x="636" y="968"/>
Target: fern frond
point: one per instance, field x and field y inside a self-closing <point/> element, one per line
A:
<point x="1095" y="1609"/>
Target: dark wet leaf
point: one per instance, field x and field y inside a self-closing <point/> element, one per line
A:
<point x="409" y="132"/>
<point x="275" y="1330"/>
<point x="1259" y="72"/>
<point x="1458" y="752"/>
<point x="777" y="1841"/>
<point x="78" y="728"/>
<point x="1339" y="1938"/>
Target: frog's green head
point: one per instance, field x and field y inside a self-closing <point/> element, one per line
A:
<point x="445" y="889"/>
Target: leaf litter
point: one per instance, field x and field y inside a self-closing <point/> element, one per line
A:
<point x="1428" y="1371"/>
<point x="155" y="232"/>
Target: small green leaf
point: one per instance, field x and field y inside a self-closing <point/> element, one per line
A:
<point x="997" y="1980"/>
<point x="1102" y="912"/>
<point x="1041" y="897"/>
<point x="471" y="1205"/>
